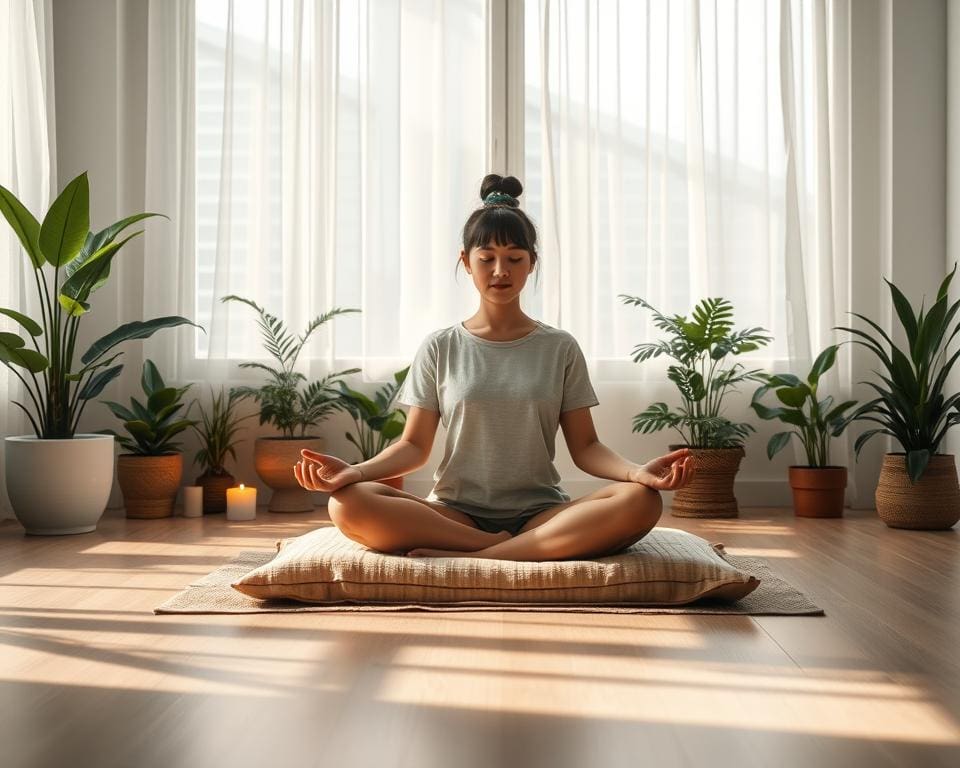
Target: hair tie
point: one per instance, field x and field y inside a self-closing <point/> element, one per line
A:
<point x="497" y="198"/>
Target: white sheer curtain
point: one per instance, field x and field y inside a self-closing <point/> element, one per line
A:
<point x="682" y="150"/>
<point x="337" y="149"/>
<point x="28" y="169"/>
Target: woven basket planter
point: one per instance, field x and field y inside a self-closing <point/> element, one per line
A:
<point x="932" y="504"/>
<point x="215" y="491"/>
<point x="710" y="495"/>
<point x="274" y="458"/>
<point x="818" y="491"/>
<point x="149" y="484"/>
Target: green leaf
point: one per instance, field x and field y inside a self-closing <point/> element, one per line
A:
<point x="945" y="285"/>
<point x="29" y="325"/>
<point x="119" y="411"/>
<point x="95" y="242"/>
<point x="24" y="224"/>
<point x="150" y="380"/>
<point x="130" y="331"/>
<point x="777" y="443"/>
<point x="837" y="412"/>
<point x="15" y="353"/>
<point x="917" y="463"/>
<point x="64" y="228"/>
<point x="161" y="399"/>
<point x="793" y="396"/>
<point x="96" y="384"/>
<point x="11" y="340"/>
<point x="73" y="307"/>
<point x="905" y="313"/>
<point x="94" y="272"/>
<point x="822" y="364"/>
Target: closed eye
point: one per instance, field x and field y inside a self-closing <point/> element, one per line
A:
<point x="484" y="261"/>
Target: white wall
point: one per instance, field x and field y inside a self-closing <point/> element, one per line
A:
<point x="898" y="189"/>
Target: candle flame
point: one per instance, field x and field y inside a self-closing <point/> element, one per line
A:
<point x="241" y="486"/>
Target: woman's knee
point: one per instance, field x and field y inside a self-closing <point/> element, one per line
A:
<point x="349" y="505"/>
<point x="642" y="505"/>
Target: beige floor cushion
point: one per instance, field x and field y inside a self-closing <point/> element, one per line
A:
<point x="667" y="567"/>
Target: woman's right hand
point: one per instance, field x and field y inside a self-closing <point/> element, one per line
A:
<point x="320" y="472"/>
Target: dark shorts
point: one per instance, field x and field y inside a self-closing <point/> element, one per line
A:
<point x="495" y="525"/>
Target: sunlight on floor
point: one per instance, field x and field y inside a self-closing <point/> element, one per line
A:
<point x="761" y="552"/>
<point x="668" y="692"/>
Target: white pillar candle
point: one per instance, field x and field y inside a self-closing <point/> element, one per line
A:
<point x="241" y="503"/>
<point x="193" y="501"/>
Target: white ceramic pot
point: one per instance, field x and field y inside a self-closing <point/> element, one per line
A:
<point x="59" y="486"/>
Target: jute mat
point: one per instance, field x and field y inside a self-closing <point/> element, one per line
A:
<point x="213" y="594"/>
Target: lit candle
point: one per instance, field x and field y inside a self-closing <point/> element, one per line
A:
<point x="193" y="501"/>
<point x="241" y="503"/>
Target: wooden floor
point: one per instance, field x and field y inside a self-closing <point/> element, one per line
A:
<point x="91" y="677"/>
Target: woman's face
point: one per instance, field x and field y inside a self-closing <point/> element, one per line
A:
<point x="492" y="266"/>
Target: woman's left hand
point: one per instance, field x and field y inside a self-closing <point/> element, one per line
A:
<point x="666" y="473"/>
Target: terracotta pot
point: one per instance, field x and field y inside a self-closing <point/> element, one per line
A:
<point x="215" y="491"/>
<point x="818" y="491"/>
<point x="274" y="458"/>
<point x="931" y="504"/>
<point x="710" y="495"/>
<point x="149" y="484"/>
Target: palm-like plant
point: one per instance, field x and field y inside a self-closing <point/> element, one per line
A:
<point x="700" y="345"/>
<point x="912" y="407"/>
<point x="81" y="264"/>
<point x="378" y="422"/>
<point x="282" y="401"/>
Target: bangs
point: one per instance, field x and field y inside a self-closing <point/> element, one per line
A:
<point x="502" y="226"/>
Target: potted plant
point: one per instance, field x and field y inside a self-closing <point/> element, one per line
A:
<point x="817" y="486"/>
<point x="378" y="422"/>
<point x="149" y="473"/>
<point x="289" y="406"/>
<point x="700" y="345"/>
<point x="218" y="427"/>
<point x="77" y="261"/>
<point x="918" y="486"/>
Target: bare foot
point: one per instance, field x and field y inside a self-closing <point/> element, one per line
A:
<point x="496" y="538"/>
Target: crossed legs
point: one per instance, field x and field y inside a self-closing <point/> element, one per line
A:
<point x="600" y="523"/>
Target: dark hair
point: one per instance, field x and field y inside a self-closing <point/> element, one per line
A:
<point x="501" y="222"/>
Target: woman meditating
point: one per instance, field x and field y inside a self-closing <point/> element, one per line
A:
<point x="502" y="383"/>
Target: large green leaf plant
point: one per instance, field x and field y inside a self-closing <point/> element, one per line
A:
<point x="79" y="261"/>
<point x="913" y="405"/>
<point x="700" y="346"/>
<point x="284" y="400"/>
<point x="378" y="422"/>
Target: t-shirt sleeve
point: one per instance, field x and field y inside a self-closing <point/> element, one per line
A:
<point x="420" y="386"/>
<point x="577" y="389"/>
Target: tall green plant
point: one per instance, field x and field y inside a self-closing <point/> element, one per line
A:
<point x="912" y="405"/>
<point x="378" y="422"/>
<point x="699" y="345"/>
<point x="282" y="401"/>
<point x="80" y="261"/>
<point x="217" y="432"/>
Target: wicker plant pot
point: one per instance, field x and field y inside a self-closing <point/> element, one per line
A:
<point x="932" y="504"/>
<point x="215" y="491"/>
<point x="274" y="458"/>
<point x="818" y="491"/>
<point x="149" y="484"/>
<point x="710" y="495"/>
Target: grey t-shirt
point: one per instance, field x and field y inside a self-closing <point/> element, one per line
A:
<point x="500" y="403"/>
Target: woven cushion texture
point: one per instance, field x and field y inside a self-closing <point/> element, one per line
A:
<point x="667" y="567"/>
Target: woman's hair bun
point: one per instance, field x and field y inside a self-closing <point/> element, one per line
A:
<point x="493" y="183"/>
